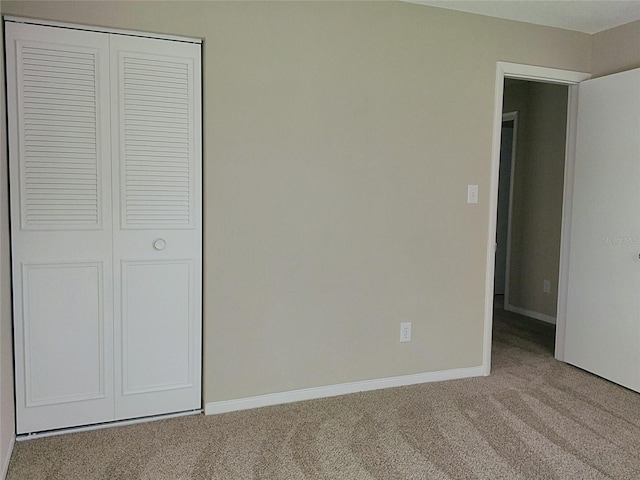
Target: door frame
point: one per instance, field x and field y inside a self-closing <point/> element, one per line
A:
<point x="543" y="75"/>
<point x="509" y="117"/>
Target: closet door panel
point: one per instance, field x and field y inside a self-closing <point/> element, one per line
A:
<point x="156" y="126"/>
<point x="60" y="179"/>
<point x="157" y="353"/>
<point x="157" y="225"/>
<point x="78" y="372"/>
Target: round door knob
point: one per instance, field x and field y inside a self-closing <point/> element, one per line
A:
<point x="159" y="244"/>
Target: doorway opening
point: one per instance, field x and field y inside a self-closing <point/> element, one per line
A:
<point x="528" y="231"/>
<point x="529" y="211"/>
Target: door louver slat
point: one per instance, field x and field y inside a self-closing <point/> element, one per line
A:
<point x="60" y="140"/>
<point x="157" y="143"/>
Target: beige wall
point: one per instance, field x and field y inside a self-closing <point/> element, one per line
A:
<point x="537" y="194"/>
<point x="616" y="50"/>
<point x="339" y="141"/>
<point x="7" y="426"/>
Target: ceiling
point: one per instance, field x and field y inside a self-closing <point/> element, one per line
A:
<point x="589" y="16"/>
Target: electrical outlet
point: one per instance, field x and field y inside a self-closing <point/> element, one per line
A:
<point x="546" y="286"/>
<point x="472" y="193"/>
<point x="405" y="332"/>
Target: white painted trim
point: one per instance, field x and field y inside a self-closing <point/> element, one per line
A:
<point x="100" y="426"/>
<point x="530" y="313"/>
<point x="510" y="116"/>
<point x="291" y="396"/>
<point x="5" y="467"/>
<point x="537" y="74"/>
<point x="73" y="26"/>
<point x="493" y="218"/>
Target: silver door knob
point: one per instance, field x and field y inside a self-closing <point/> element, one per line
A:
<point x="159" y="244"/>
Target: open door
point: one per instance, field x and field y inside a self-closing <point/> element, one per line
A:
<point x="603" y="306"/>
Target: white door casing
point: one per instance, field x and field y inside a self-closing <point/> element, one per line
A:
<point x="508" y="140"/>
<point x="81" y="270"/>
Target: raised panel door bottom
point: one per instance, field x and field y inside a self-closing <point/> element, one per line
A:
<point x="63" y="332"/>
<point x="157" y="322"/>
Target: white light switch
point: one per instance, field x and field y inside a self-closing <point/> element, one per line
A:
<point x="472" y="193"/>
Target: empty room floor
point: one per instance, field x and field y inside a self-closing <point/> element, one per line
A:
<point x="532" y="418"/>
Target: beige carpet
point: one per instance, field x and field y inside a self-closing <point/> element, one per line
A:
<point x="533" y="418"/>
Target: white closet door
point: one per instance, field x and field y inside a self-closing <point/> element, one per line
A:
<point x="156" y="124"/>
<point x="58" y="107"/>
<point x="603" y="306"/>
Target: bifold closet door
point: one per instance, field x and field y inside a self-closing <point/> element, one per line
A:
<point x="156" y="124"/>
<point x="105" y="172"/>
<point x="60" y="175"/>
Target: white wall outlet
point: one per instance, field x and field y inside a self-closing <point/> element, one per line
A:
<point x="546" y="286"/>
<point x="405" y="332"/>
<point x="472" y="193"/>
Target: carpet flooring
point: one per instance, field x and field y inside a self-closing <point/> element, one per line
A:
<point x="533" y="418"/>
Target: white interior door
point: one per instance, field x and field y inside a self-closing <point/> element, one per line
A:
<point x="603" y="310"/>
<point x="60" y="225"/>
<point x="106" y="195"/>
<point x="157" y="224"/>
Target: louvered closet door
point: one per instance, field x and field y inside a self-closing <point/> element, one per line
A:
<point x="156" y="123"/>
<point x="58" y="107"/>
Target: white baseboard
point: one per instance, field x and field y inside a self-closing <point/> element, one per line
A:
<point x="5" y="467"/>
<point x="247" y="403"/>
<point x="532" y="314"/>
